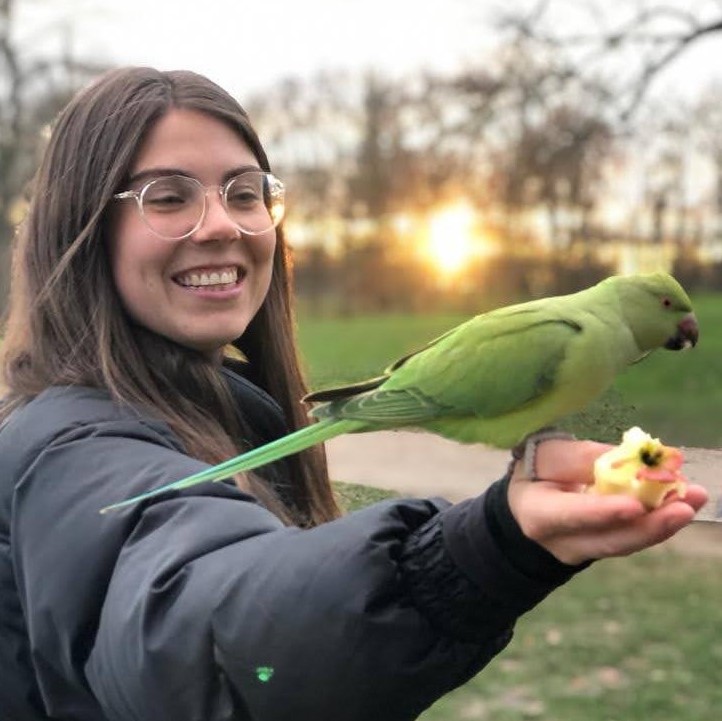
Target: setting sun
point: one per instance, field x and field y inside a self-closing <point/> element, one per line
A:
<point x="451" y="237"/>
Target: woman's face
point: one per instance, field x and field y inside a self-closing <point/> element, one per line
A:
<point x="164" y="284"/>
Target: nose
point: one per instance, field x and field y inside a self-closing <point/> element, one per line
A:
<point x="216" y="223"/>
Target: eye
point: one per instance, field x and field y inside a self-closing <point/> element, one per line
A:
<point x="242" y="196"/>
<point x="245" y="190"/>
<point x="169" y="194"/>
<point x="666" y="302"/>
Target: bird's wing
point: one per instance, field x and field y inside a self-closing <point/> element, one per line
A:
<point x="384" y="408"/>
<point x="490" y="367"/>
<point x="483" y="368"/>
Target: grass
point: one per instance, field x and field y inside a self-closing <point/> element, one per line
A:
<point x="339" y="350"/>
<point x="628" y="640"/>
<point x="351" y="496"/>
<point x="676" y="396"/>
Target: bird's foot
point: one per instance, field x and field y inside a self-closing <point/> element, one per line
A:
<point x="526" y="450"/>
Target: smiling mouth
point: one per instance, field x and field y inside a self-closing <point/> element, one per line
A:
<point x="218" y="279"/>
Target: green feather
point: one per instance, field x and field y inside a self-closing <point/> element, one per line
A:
<point x="292" y="443"/>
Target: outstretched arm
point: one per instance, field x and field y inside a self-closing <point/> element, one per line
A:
<point x="201" y="604"/>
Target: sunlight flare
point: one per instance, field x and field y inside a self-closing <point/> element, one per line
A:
<point x="451" y="237"/>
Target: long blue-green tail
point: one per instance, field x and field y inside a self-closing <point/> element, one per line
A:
<point x="285" y="446"/>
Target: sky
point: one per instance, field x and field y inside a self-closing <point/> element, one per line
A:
<point x="246" y="45"/>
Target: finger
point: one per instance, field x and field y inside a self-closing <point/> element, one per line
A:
<point x="696" y="496"/>
<point x="643" y="532"/>
<point x="554" y="462"/>
<point x="579" y="512"/>
<point x="544" y="512"/>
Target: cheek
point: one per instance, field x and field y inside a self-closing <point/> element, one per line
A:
<point x="121" y="263"/>
<point x="117" y="251"/>
<point x="263" y="247"/>
<point x="129" y="286"/>
<point x="263" y="256"/>
<point x="269" y="255"/>
<point x="135" y="262"/>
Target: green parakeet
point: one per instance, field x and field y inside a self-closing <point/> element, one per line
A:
<point x="500" y="376"/>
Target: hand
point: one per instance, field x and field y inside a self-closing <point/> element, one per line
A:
<point x="576" y="526"/>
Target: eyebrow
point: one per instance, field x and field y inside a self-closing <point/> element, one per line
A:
<point x="162" y="172"/>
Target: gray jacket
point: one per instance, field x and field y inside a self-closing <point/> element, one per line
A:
<point x="202" y="606"/>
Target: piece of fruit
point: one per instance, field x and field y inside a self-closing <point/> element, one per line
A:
<point x="640" y="466"/>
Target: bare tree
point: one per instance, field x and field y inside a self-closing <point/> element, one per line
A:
<point x="707" y="118"/>
<point x="530" y="134"/>
<point x="32" y="89"/>
<point x="521" y="131"/>
<point x="312" y="130"/>
<point x="631" y="43"/>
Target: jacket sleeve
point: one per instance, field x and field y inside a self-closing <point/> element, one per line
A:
<point x="202" y="605"/>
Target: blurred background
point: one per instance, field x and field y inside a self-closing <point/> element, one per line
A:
<point x="449" y="154"/>
<point x="443" y="157"/>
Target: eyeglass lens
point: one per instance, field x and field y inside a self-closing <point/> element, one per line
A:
<point x="174" y="206"/>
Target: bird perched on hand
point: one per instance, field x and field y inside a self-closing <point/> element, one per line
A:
<point x="500" y="376"/>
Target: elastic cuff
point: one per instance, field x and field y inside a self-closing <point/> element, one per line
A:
<point x="452" y="602"/>
<point x="526" y="555"/>
<point x="490" y="548"/>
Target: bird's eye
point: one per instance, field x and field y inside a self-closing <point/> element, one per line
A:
<point x="666" y="302"/>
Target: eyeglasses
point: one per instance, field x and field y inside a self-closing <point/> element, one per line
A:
<point x="175" y="206"/>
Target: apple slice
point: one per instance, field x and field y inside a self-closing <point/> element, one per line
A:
<point x="642" y="467"/>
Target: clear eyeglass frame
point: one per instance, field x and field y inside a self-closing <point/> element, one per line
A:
<point x="274" y="195"/>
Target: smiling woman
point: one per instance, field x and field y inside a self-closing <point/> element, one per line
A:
<point x="201" y="293"/>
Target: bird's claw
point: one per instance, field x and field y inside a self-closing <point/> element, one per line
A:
<point x="526" y="450"/>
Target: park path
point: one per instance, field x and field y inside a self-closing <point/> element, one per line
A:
<point x="423" y="465"/>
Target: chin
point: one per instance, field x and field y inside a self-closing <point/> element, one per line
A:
<point x="211" y="346"/>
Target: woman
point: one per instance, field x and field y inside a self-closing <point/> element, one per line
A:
<point x="152" y="249"/>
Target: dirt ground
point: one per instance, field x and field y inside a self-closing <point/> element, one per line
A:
<point x="423" y="465"/>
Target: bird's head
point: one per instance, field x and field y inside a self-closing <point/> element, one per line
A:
<point x="658" y="311"/>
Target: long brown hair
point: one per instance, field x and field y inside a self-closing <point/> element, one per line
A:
<point x="61" y="275"/>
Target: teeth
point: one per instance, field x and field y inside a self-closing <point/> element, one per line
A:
<point x="205" y="279"/>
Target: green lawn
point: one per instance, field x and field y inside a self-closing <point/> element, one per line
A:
<point x="677" y="396"/>
<point x="634" y="639"/>
<point x="339" y="350"/>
